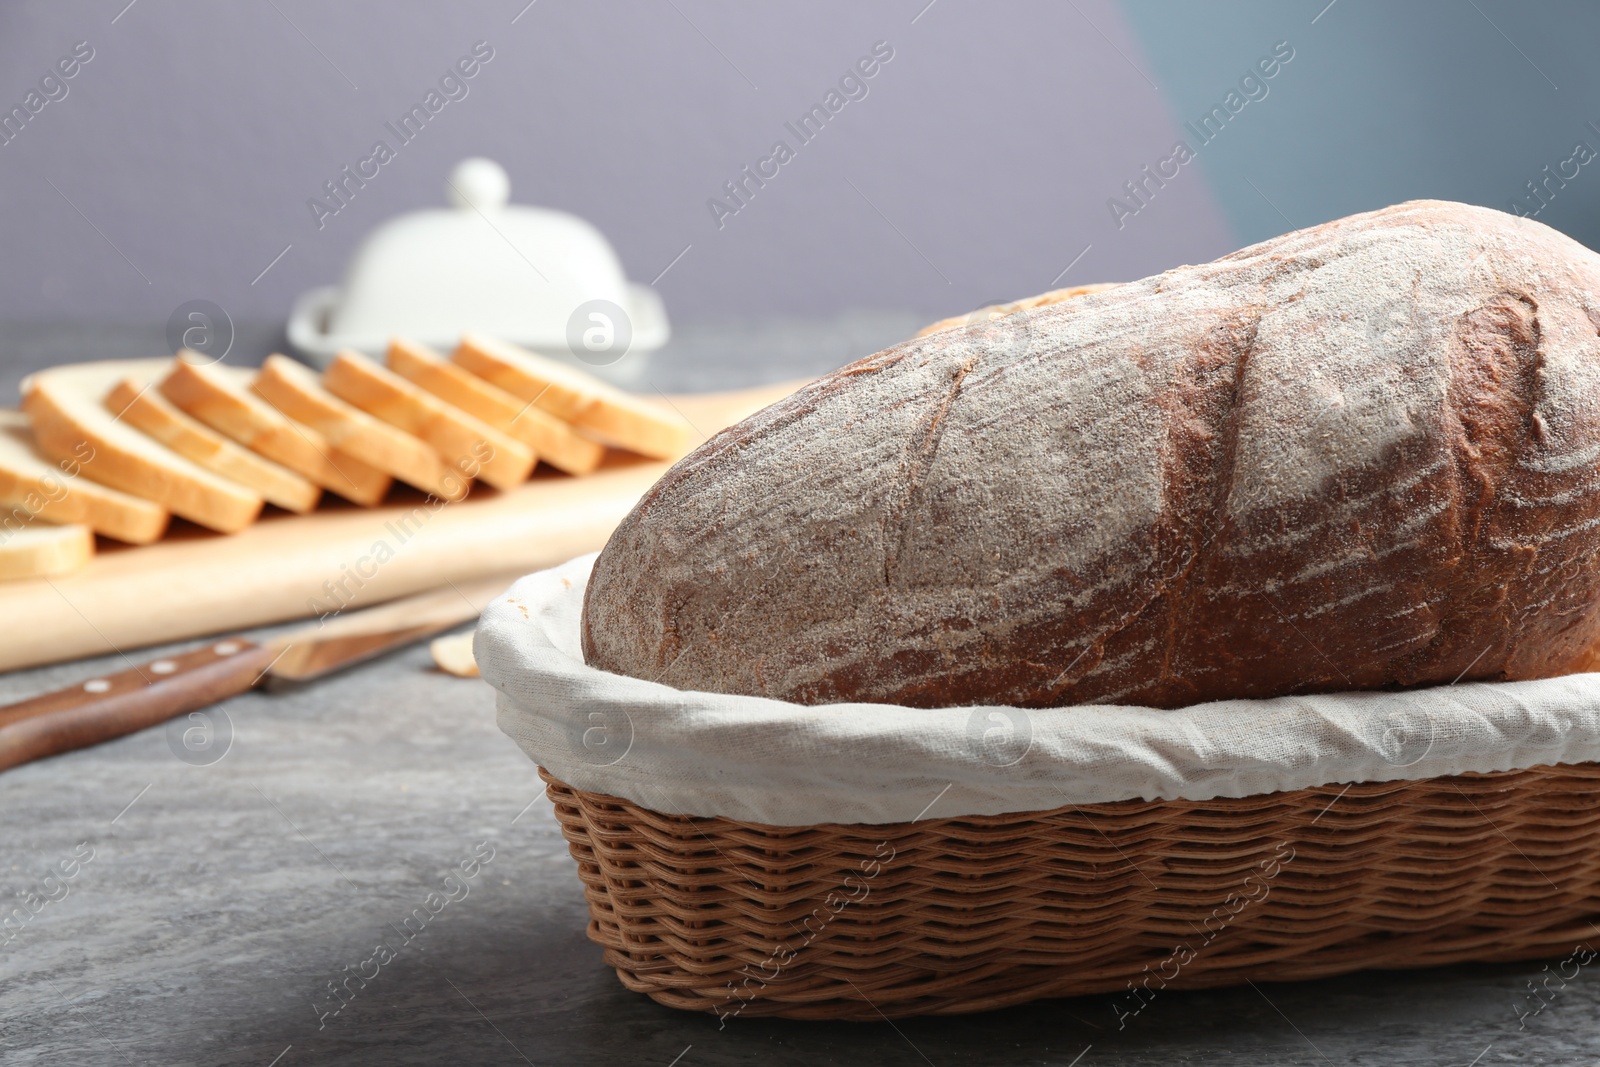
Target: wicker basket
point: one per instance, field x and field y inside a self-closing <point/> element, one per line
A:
<point x="949" y="915"/>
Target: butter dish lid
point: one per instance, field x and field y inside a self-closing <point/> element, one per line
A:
<point x="539" y="277"/>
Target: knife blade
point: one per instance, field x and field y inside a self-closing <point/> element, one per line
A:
<point x="111" y="705"/>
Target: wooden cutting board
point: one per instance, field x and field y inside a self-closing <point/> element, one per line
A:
<point x="340" y="557"/>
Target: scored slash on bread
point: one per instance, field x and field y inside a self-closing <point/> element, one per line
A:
<point x="294" y="389"/>
<point x="472" y="445"/>
<point x="30" y="548"/>
<point x="53" y="492"/>
<point x="583" y="400"/>
<point x="134" y="401"/>
<point x="67" y="408"/>
<point x="220" y="397"/>
<point x="552" y="440"/>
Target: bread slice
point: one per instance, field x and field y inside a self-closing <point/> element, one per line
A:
<point x="293" y="389"/>
<point x="468" y="443"/>
<point x="220" y="397"/>
<point x="552" y="440"/>
<point x="566" y="392"/>
<point x="67" y="406"/>
<point x="31" y="548"/>
<point x="453" y="655"/>
<point x="29" y="481"/>
<point x="135" y="402"/>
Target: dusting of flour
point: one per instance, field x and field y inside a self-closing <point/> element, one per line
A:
<point x="1356" y="455"/>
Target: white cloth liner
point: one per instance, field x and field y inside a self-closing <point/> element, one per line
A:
<point x="767" y="761"/>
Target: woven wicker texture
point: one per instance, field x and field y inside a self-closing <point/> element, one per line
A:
<point x="949" y="915"/>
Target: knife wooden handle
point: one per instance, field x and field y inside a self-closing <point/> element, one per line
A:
<point x="115" y="704"/>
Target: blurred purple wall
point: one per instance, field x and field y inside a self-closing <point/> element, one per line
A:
<point x="976" y="166"/>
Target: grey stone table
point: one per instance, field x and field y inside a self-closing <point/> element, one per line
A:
<point x="209" y="906"/>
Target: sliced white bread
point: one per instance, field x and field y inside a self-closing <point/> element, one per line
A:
<point x="38" y="486"/>
<point x="568" y="393"/>
<point x="135" y="402"/>
<point x="32" y="548"/>
<point x="220" y="397"/>
<point x="551" y="439"/>
<point x="453" y="655"/>
<point x="293" y="389"/>
<point x="67" y="407"/>
<point x="468" y="443"/>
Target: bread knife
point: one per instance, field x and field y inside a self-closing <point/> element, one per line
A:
<point x="111" y="705"/>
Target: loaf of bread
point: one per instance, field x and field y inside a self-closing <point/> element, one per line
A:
<point x="1362" y="455"/>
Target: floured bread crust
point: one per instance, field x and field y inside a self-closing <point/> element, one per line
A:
<point x="1360" y="455"/>
<point x="995" y="311"/>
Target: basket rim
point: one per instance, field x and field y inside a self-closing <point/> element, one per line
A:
<point x="766" y="761"/>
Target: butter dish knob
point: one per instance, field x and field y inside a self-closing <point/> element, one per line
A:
<point x="479" y="183"/>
